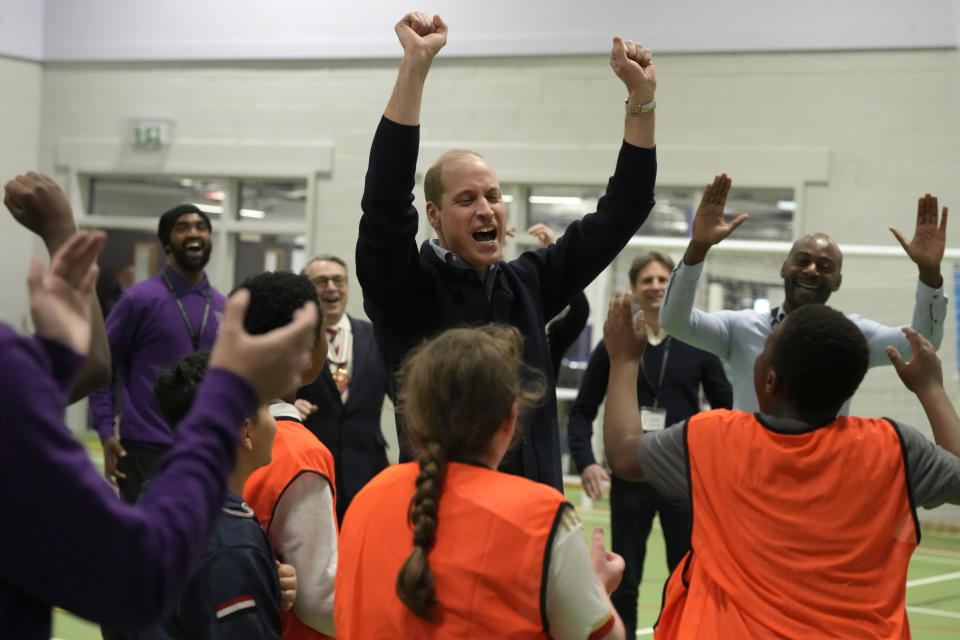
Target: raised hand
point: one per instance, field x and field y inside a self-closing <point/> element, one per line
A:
<point x="38" y="203"/>
<point x="624" y="334"/>
<point x="923" y="372"/>
<point x="607" y="565"/>
<point x="543" y="233"/>
<point x="709" y="224"/>
<point x="633" y="64"/>
<point x="60" y="296"/>
<point x="418" y="33"/>
<point x="271" y="363"/>
<point x="929" y="240"/>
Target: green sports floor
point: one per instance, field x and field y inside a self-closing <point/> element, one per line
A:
<point x="933" y="583"/>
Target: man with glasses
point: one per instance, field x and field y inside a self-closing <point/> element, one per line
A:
<point x="342" y="406"/>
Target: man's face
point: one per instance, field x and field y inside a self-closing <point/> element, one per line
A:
<point x="811" y="271"/>
<point x="471" y="219"/>
<point x="330" y="280"/>
<point x="650" y="286"/>
<point x="190" y="243"/>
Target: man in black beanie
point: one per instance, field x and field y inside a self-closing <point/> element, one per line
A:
<point x="152" y="325"/>
<point x="155" y="322"/>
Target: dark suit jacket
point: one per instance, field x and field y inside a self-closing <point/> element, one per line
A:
<point x="351" y="431"/>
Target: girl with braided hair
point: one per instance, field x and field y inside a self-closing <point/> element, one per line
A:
<point x="493" y="555"/>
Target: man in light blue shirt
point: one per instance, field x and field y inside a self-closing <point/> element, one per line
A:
<point x="810" y="273"/>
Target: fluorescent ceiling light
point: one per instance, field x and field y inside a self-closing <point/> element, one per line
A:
<point x="209" y="208"/>
<point x="252" y="213"/>
<point x="786" y="205"/>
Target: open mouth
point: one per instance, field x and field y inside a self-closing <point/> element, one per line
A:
<point x="193" y="247"/>
<point x="809" y="286"/>
<point x="485" y="234"/>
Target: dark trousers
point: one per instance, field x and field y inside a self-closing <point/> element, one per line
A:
<point x="139" y="465"/>
<point x="632" y="508"/>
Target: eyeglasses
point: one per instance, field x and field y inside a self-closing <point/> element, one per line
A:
<point x="322" y="281"/>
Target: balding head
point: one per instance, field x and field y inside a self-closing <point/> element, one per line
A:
<point x="433" y="185"/>
<point x="811" y="272"/>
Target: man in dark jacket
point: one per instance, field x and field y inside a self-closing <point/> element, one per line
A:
<point x="460" y="278"/>
<point x="342" y="406"/>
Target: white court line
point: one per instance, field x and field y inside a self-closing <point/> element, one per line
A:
<point x="932" y="579"/>
<point x="910" y="583"/>
<point x="934" y="612"/>
<point x="930" y="559"/>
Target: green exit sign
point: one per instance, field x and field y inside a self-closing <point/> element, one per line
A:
<point x="151" y="134"/>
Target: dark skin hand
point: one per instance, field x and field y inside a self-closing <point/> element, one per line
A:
<point x="40" y="205"/>
<point x="929" y="240"/>
<point x="709" y="224"/>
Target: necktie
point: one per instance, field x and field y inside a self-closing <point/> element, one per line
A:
<point x="340" y="375"/>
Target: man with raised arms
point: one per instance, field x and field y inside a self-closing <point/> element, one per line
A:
<point x="810" y="273"/>
<point x="460" y="278"/>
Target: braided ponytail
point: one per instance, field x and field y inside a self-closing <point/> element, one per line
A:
<point x="415" y="580"/>
<point x="454" y="393"/>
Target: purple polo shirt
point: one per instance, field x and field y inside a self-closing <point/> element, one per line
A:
<point x="147" y="334"/>
<point x="67" y="540"/>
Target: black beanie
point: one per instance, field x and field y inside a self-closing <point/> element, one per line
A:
<point x="168" y="219"/>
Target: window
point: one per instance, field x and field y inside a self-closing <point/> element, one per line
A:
<point x="258" y="224"/>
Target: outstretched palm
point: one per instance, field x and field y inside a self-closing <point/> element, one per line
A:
<point x="709" y="224"/>
<point x="929" y="237"/>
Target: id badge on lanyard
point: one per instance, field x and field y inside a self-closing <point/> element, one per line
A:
<point x="653" y="418"/>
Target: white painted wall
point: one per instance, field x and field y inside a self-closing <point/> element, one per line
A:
<point x="20" y="106"/>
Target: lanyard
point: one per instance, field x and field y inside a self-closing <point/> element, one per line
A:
<point x="194" y="337"/>
<point x="663" y="369"/>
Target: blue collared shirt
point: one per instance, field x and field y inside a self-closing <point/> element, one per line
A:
<point x="456" y="261"/>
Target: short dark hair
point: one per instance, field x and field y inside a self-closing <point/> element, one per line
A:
<point x="274" y="297"/>
<point x="176" y="386"/>
<point x="821" y="357"/>
<point x="640" y="263"/>
<point x="325" y="257"/>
